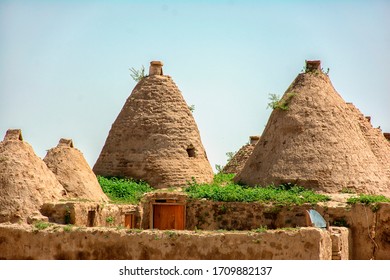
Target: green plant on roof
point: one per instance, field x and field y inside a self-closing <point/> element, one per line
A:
<point x="223" y="179"/>
<point x="315" y="72"/>
<point x="228" y="191"/>
<point x="230" y="155"/>
<point x="368" y="199"/>
<point x="219" y="168"/>
<point x="230" y="158"/>
<point x="123" y="190"/>
<point x="137" y="75"/>
<point x="275" y="102"/>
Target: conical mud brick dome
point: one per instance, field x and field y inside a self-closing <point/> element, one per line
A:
<point x="25" y="181"/>
<point x="374" y="137"/>
<point x="155" y="137"/>
<point x="73" y="172"/>
<point x="313" y="138"/>
<point x="236" y="164"/>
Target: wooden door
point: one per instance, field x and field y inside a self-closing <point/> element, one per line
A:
<point x="168" y="216"/>
<point x="129" y="221"/>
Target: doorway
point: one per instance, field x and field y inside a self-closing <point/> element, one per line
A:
<point x="91" y="218"/>
<point x="168" y="216"/>
<point x="129" y="221"/>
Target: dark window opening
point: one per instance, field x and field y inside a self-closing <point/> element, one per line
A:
<point x="160" y="200"/>
<point x="91" y="218"/>
<point x="191" y="152"/>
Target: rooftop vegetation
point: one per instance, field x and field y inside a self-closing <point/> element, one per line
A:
<point x="275" y="102"/>
<point x="124" y="190"/>
<point x="367" y="199"/>
<point x="221" y="189"/>
<point x="224" y="189"/>
<point x="137" y="74"/>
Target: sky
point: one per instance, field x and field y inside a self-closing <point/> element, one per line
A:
<point x="64" y="65"/>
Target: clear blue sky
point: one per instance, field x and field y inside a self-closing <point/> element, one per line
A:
<point x="64" y="65"/>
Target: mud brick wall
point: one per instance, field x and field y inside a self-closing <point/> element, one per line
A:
<point x="340" y="243"/>
<point x="369" y="224"/>
<point x="18" y="242"/>
<point x="90" y="214"/>
<point x="210" y="215"/>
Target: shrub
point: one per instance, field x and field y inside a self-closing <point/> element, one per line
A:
<point x="367" y="199"/>
<point x="283" y="195"/>
<point x="223" y="178"/>
<point x="123" y="190"/>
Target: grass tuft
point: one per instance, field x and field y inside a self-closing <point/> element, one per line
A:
<point x="67" y="228"/>
<point x="41" y="225"/>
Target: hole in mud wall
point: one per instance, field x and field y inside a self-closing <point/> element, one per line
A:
<point x="191" y="152"/>
<point x="129" y="221"/>
<point x="91" y="218"/>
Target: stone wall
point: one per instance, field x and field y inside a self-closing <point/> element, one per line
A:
<point x="340" y="243"/>
<point x="90" y="213"/>
<point x="22" y="242"/>
<point x="369" y="224"/>
<point x="209" y="215"/>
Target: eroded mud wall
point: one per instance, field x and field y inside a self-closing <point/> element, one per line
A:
<point x="17" y="242"/>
